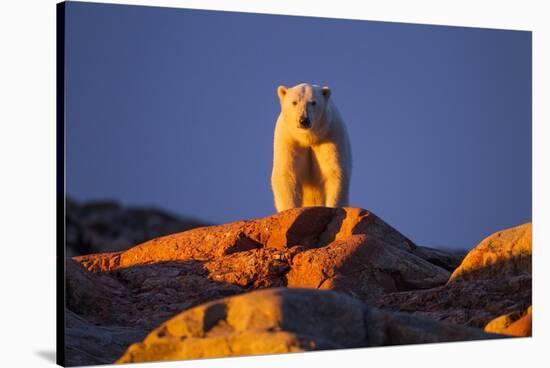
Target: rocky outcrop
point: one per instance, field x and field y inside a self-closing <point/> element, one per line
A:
<point x="349" y="251"/>
<point x="286" y="320"/>
<point x="106" y="226"/>
<point x="514" y="324"/>
<point x="506" y="253"/>
<point x="305" y="247"/>
<point x="364" y="267"/>
<point x="493" y="280"/>
<point x="473" y="303"/>
<point x="330" y="248"/>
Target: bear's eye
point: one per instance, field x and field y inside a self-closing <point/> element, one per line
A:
<point x="294" y="103"/>
<point x="313" y="103"/>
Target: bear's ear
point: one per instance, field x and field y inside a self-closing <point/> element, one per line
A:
<point x="325" y="91"/>
<point x="281" y="91"/>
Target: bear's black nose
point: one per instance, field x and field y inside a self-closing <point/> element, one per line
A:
<point x="304" y="122"/>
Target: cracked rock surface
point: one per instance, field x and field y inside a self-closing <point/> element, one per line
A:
<point x="345" y="249"/>
<point x="493" y="280"/>
<point x="349" y="251"/>
<point x="284" y="320"/>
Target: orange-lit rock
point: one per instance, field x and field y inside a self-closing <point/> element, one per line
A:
<point x="308" y="227"/>
<point x="285" y="320"/>
<point x="364" y="267"/>
<point x="513" y="324"/>
<point x="504" y="254"/>
<point x="348" y="250"/>
<point x="493" y="280"/>
<point x="521" y="327"/>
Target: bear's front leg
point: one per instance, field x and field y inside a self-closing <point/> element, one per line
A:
<point x="336" y="191"/>
<point x="286" y="190"/>
<point x="334" y="173"/>
<point x="287" y="166"/>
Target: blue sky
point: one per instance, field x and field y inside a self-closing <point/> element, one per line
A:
<point x="176" y="108"/>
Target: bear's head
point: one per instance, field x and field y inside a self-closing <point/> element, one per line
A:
<point x="304" y="107"/>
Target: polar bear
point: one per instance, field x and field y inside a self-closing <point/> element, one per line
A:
<point x="311" y="150"/>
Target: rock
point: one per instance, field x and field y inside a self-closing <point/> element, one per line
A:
<point x="105" y="226"/>
<point x="226" y="327"/>
<point x="154" y="280"/>
<point x="446" y="259"/>
<point x="310" y="227"/>
<point x="364" y="267"/>
<point x="95" y="295"/>
<point x="493" y="280"/>
<point x="88" y="344"/>
<point x="141" y="296"/>
<point x="285" y="320"/>
<point x="514" y="324"/>
<point x="504" y="254"/>
<point x="347" y="250"/>
<point x="522" y="327"/>
<point x="393" y="328"/>
<point x="471" y="303"/>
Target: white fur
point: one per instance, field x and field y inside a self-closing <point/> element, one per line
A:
<point x="311" y="167"/>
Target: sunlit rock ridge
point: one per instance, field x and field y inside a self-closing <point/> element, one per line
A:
<point x="304" y="279"/>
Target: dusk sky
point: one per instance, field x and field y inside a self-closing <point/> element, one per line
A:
<point x="176" y="108"/>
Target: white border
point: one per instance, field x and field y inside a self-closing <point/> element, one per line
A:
<point x="27" y="157"/>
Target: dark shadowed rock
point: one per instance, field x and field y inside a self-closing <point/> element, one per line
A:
<point x="141" y="296"/>
<point x="106" y="226"/>
<point x="393" y="328"/>
<point x="87" y="343"/>
<point x="446" y="259"/>
<point x="472" y="303"/>
<point x="96" y="295"/>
